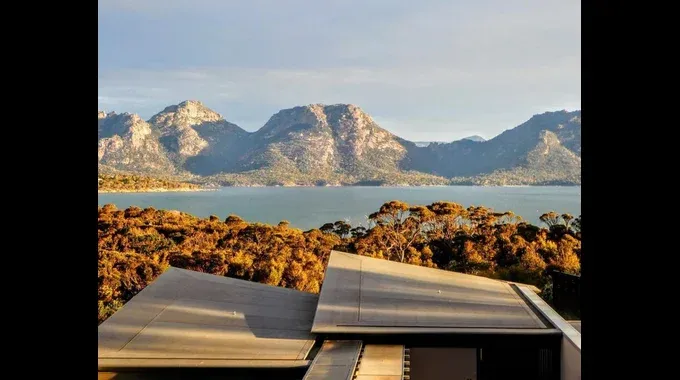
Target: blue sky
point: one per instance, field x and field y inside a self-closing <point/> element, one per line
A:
<point x="426" y="70"/>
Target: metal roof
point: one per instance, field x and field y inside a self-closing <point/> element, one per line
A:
<point x="366" y="295"/>
<point x="191" y="319"/>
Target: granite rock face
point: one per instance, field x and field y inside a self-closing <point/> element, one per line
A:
<point x="334" y="144"/>
<point x="126" y="142"/>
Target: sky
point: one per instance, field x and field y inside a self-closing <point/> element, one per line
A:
<point x="425" y="70"/>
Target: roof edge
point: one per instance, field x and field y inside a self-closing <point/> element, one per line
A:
<point x="569" y="332"/>
<point x="104" y="365"/>
<point x="379" y="330"/>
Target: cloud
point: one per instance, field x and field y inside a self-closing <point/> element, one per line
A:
<point x="428" y="67"/>
<point x="409" y="94"/>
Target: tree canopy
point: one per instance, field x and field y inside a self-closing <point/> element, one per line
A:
<point x="136" y="245"/>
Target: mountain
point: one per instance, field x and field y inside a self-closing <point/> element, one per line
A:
<point x="197" y="138"/>
<point x="548" y="163"/>
<point x="334" y="145"/>
<point x="126" y="142"/>
<point x="324" y="144"/>
<point x="424" y="144"/>
<point x="475" y="138"/>
<point x="544" y="150"/>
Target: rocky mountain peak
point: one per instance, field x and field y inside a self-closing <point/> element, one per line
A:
<point x="190" y="129"/>
<point x="124" y="125"/>
<point x="191" y="103"/>
<point x="127" y="142"/>
<point x="104" y="114"/>
<point x="475" y="138"/>
<point x="292" y="119"/>
<point x="348" y="111"/>
<point x="134" y="118"/>
<point x="185" y="114"/>
<point x="343" y="120"/>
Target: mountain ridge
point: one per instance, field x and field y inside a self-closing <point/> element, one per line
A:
<point x="336" y="144"/>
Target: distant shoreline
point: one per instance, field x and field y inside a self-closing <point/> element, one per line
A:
<point x="155" y="190"/>
<point x="162" y="190"/>
<point x="398" y="185"/>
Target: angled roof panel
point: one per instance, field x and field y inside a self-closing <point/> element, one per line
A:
<point x="187" y="318"/>
<point x="335" y="361"/>
<point x="363" y="294"/>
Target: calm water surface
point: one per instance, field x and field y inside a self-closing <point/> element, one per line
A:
<point x="311" y="207"/>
